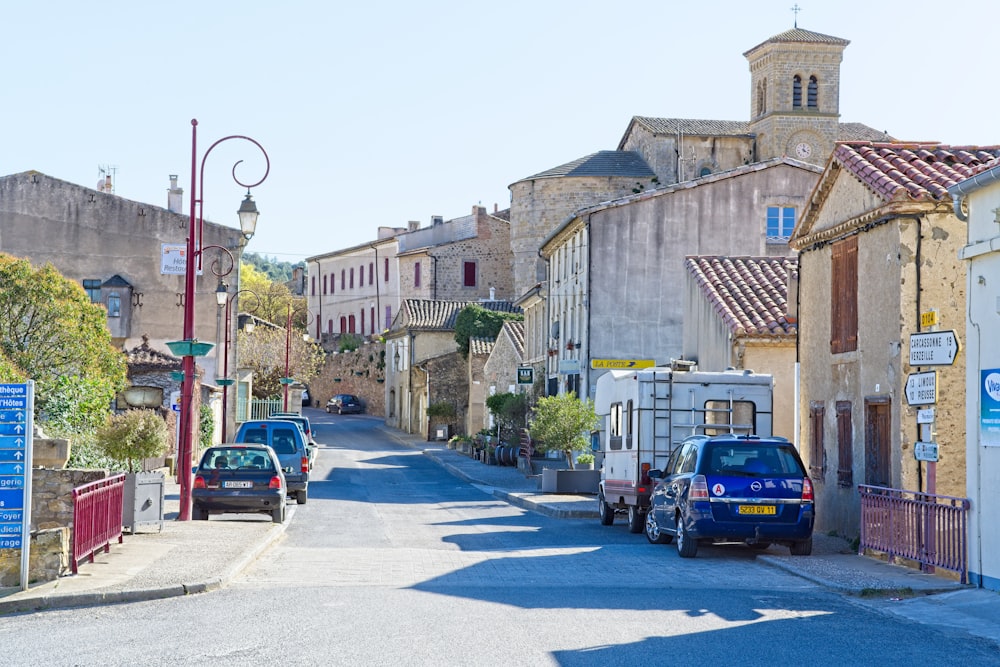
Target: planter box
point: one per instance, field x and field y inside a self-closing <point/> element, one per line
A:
<point x="142" y="503"/>
<point x="570" y="481"/>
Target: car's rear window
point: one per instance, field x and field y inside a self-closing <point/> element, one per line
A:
<point x="753" y="460"/>
<point x="283" y="440"/>
<point x="237" y="459"/>
<point x="255" y="435"/>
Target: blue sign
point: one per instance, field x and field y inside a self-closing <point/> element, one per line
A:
<point x="14" y="437"/>
<point x="989" y="412"/>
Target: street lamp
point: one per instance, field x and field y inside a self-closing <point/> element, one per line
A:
<point x="248" y="224"/>
<point x="288" y="380"/>
<point x="226" y="301"/>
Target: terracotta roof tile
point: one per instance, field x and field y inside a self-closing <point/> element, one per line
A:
<point x="144" y="358"/>
<point x="480" y="346"/>
<point x="515" y="330"/>
<point x="749" y="294"/>
<point x="431" y="314"/>
<point x="919" y="172"/>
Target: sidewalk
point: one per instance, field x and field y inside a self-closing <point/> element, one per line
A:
<point x="196" y="556"/>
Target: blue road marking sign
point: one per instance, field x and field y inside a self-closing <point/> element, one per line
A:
<point x="15" y="465"/>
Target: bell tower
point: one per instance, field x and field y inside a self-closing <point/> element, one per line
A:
<point x="795" y="95"/>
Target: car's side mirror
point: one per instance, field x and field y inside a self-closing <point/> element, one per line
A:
<point x="655" y="474"/>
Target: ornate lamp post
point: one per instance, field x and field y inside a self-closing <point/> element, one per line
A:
<point x="226" y="301"/>
<point x="288" y="380"/>
<point x="190" y="347"/>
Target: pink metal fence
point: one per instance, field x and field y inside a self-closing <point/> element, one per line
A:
<point x="922" y="527"/>
<point x="97" y="517"/>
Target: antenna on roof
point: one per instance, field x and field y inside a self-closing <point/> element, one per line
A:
<point x="796" y="9"/>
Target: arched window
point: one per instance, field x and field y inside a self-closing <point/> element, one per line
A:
<point x="705" y="171"/>
<point x="343" y="324"/>
<point x="352" y="324"/>
<point x="392" y="402"/>
<point x="813" y="93"/>
<point x="797" y="92"/>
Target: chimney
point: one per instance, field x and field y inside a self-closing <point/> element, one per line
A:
<point x="175" y="196"/>
<point x="412" y="225"/>
<point x="437" y="220"/>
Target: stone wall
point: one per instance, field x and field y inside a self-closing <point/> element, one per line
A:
<point x="48" y="560"/>
<point x="361" y="372"/>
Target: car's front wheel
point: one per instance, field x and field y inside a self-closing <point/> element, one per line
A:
<point x="653" y="532"/>
<point x="687" y="547"/>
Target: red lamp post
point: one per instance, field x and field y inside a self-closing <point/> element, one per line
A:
<point x="190" y="347"/>
<point x="226" y="301"/>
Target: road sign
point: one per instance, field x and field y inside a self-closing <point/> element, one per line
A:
<point x="921" y="388"/>
<point x="925" y="451"/>
<point x="933" y="348"/>
<point x="929" y="319"/>
<point x="622" y="363"/>
<point x="925" y="416"/>
<point x="15" y="467"/>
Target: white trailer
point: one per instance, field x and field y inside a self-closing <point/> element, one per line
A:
<point x="645" y="414"/>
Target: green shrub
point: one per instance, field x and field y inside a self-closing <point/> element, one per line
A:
<point x="130" y="437"/>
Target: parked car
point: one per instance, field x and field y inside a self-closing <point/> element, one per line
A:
<point x="305" y="398"/>
<point x="306" y="427"/>
<point x="289" y="444"/>
<point x="730" y="488"/>
<point x="239" y="478"/>
<point x="345" y="404"/>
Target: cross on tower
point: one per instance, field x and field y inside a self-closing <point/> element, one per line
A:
<point x="796" y="9"/>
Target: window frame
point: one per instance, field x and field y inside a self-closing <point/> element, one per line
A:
<point x="467" y="267"/>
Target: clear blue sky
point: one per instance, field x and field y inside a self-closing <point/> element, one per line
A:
<point x="374" y="113"/>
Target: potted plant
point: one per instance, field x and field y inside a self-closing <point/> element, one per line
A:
<point x="584" y="461"/>
<point x="562" y="423"/>
<point x="440" y="417"/>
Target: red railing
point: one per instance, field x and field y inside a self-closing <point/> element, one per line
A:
<point x="922" y="527"/>
<point x="97" y="517"/>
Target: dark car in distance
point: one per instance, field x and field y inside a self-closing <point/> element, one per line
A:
<point x="731" y="488"/>
<point x="238" y="479"/>
<point x="344" y="404"/>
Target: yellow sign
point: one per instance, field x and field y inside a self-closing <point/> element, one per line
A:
<point x="929" y="319"/>
<point x="622" y="363"/>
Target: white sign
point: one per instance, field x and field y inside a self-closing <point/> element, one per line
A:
<point x="173" y="259"/>
<point x="933" y="348"/>
<point x="569" y="366"/>
<point x="925" y="416"/>
<point x="925" y="451"/>
<point x="921" y="388"/>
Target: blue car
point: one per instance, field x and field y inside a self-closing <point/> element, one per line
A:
<point x="731" y="488"/>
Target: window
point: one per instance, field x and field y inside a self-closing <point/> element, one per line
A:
<point x="812" y="94"/>
<point x="845" y="445"/>
<point x="844" y="297"/>
<point x="468" y="274"/>
<point x="372" y="312"/>
<point x="762" y="97"/>
<point x="780" y="223"/>
<point x="386" y="269"/>
<point x="371" y="273"/>
<point x="705" y="171"/>
<point x="343" y="324"/>
<point x="740" y="418"/>
<point x="817" y="452"/>
<point x="93" y="289"/>
<point x="797" y="92"/>
<point x="362" y="322"/>
<point x="342" y="274"/>
<point x="312" y="289"/>
<point x="114" y="305"/>
<point x="352" y="278"/>
<point x="324" y="284"/>
<point x="352" y="324"/>
<point x="628" y="423"/>
<point x="615" y="432"/>
<point x="361" y="276"/>
<point x="388" y="316"/>
<point x="416" y="274"/>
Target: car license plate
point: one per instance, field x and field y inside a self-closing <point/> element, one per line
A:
<point x="237" y="485"/>
<point x="757" y="509"/>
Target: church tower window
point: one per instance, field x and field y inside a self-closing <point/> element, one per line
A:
<point x="813" y="92"/>
<point x="797" y="92"/>
<point x="762" y="97"/>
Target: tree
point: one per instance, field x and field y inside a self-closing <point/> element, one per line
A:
<point x="509" y="410"/>
<point x="131" y="436"/>
<point x="563" y="423"/>
<point x="52" y="333"/>
<point x="274" y="298"/>
<point x="263" y="351"/>
<point x="474" y="321"/>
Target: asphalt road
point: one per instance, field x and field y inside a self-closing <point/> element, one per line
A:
<point x="395" y="562"/>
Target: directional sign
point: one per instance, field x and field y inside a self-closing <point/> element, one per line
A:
<point x="622" y="363"/>
<point x="15" y="466"/>
<point x="933" y="348"/>
<point x="921" y="388"/>
<point x="925" y="451"/>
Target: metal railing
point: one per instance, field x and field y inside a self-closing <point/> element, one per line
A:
<point x="97" y="517"/>
<point x="922" y="527"/>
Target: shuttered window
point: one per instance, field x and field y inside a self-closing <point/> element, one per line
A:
<point x="469" y="274"/>
<point x="817" y="452"/>
<point x="845" y="445"/>
<point x="844" y="296"/>
<point x="813" y="93"/>
<point x="797" y="92"/>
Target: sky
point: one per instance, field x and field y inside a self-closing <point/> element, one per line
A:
<point x="374" y="113"/>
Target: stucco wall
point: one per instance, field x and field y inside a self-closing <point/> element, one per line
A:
<point x="697" y="153"/>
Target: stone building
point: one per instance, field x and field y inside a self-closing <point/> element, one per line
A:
<point x="794" y="117"/>
<point x="127" y="255"/>
<point x="878" y="247"/>
<point x="500" y="370"/>
<point x="423" y="364"/>
<point x="736" y="316"/>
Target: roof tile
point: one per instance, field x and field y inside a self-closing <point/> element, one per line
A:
<point x="749" y="294"/>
